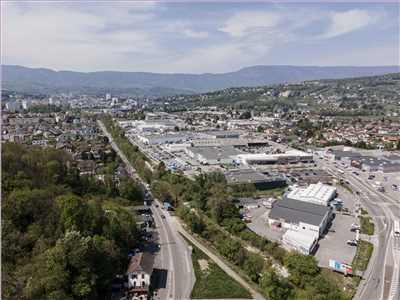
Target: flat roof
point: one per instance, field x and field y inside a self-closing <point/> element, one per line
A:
<point x="302" y="237"/>
<point x="265" y="156"/>
<point x="239" y="176"/>
<point x="318" y="192"/>
<point x="218" y="152"/>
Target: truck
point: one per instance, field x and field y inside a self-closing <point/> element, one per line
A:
<point x="396" y="228"/>
<point x="340" y="267"/>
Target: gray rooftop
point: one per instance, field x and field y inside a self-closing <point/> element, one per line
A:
<point x="341" y="153"/>
<point x="242" y="176"/>
<point x="294" y="211"/>
<point x="212" y="153"/>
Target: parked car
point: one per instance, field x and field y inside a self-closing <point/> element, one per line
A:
<point x="352" y="242"/>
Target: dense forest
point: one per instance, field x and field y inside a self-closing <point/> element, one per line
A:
<point x="63" y="236"/>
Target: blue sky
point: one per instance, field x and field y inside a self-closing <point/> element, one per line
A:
<point x="197" y="37"/>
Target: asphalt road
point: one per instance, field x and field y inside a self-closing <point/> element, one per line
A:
<point x="381" y="279"/>
<point x="174" y="255"/>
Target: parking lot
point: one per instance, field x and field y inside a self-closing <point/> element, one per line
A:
<point x="332" y="245"/>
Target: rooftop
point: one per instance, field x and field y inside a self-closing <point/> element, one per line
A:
<point x="295" y="211"/>
<point x="141" y="262"/>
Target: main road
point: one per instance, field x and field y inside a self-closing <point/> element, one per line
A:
<point x="381" y="279"/>
<point x="174" y="255"/>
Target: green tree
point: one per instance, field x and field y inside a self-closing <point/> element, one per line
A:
<point x="274" y="287"/>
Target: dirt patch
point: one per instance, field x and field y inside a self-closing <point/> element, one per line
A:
<point x="203" y="263"/>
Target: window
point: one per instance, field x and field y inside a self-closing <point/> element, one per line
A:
<point x="142" y="276"/>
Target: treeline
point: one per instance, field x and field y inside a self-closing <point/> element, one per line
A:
<point x="205" y="205"/>
<point x="63" y="236"/>
<point x="132" y="152"/>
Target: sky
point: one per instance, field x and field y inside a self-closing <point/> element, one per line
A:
<point x="201" y="37"/>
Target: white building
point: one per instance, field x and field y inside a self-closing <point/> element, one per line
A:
<point x="13" y="106"/>
<point x="301" y="241"/>
<point x="213" y="155"/>
<point x="289" y="157"/>
<point x="139" y="274"/>
<point x="26" y="104"/>
<point x="299" y="216"/>
<point x="318" y="193"/>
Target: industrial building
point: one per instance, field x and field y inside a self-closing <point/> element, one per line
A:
<point x="159" y="139"/>
<point x="344" y="156"/>
<point x="301" y="241"/>
<point x="299" y="215"/>
<point x="318" y="193"/>
<point x="221" y="134"/>
<point x="213" y="155"/>
<point x="259" y="180"/>
<point x="289" y="157"/>
<point x="373" y="164"/>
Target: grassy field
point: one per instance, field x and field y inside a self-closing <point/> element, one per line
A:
<point x="367" y="226"/>
<point x="363" y="254"/>
<point x="211" y="281"/>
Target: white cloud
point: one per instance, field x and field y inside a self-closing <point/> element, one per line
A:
<point x="249" y="22"/>
<point x="349" y="21"/>
<point x="195" y="34"/>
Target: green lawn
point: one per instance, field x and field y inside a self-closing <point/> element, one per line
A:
<point x="367" y="226"/>
<point x="363" y="254"/>
<point x="213" y="282"/>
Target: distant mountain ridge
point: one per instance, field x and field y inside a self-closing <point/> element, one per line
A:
<point x="39" y="80"/>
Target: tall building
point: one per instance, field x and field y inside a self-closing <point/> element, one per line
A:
<point x="108" y="97"/>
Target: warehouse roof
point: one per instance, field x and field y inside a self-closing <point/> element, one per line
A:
<point x="241" y="176"/>
<point x="316" y="193"/>
<point x="294" y="211"/>
<point x="215" y="153"/>
<point x="342" y="153"/>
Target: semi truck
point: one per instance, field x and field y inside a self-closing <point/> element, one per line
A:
<point x="340" y="267"/>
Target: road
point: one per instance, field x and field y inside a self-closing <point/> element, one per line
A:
<point x="174" y="255"/>
<point x="381" y="279"/>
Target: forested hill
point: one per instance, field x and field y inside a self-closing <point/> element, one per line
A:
<point x="63" y="237"/>
<point x="46" y="81"/>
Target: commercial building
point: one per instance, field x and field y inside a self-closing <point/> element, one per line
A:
<point x="344" y="156"/>
<point x="222" y="134"/>
<point x="299" y="215"/>
<point x="159" y="139"/>
<point x="213" y="155"/>
<point x="373" y="164"/>
<point x="289" y="157"/>
<point x="301" y="241"/>
<point x="318" y="193"/>
<point x="259" y="180"/>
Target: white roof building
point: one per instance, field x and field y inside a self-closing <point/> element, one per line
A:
<point x="291" y="156"/>
<point x="301" y="241"/>
<point x="318" y="193"/>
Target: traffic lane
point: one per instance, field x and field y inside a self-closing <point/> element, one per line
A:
<point x="165" y="260"/>
<point x="182" y="279"/>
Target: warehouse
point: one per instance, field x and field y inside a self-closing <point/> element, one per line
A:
<point x="221" y="134"/>
<point x="318" y="193"/>
<point x="250" y="176"/>
<point x="159" y="139"/>
<point x="301" y="241"/>
<point x="290" y="157"/>
<point x="299" y="215"/>
<point x="213" y="155"/>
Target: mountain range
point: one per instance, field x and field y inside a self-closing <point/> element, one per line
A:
<point x="46" y="81"/>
